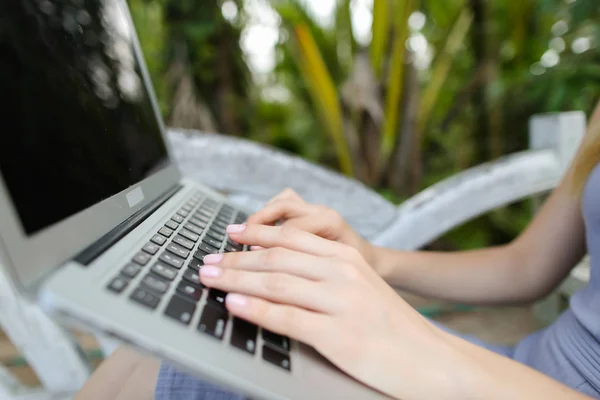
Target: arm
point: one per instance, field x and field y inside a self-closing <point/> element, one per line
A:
<point x="525" y="270"/>
<point x="482" y="374"/>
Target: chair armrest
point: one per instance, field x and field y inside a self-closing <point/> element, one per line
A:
<point x="472" y="193"/>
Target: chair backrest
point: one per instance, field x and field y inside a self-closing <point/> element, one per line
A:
<point x="251" y="173"/>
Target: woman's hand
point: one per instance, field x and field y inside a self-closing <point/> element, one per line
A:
<point x="291" y="210"/>
<point x="323" y="293"/>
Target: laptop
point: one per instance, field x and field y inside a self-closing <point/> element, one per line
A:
<point x="97" y="224"/>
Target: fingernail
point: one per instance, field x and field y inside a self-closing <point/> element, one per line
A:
<point x="209" y="271"/>
<point x="236" y="228"/>
<point x="236" y="300"/>
<point x="256" y="248"/>
<point x="213" y="259"/>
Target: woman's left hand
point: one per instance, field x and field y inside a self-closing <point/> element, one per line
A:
<point x="324" y="294"/>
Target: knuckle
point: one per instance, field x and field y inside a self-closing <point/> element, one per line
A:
<point x="349" y="271"/>
<point x="275" y="283"/>
<point x="353" y="253"/>
<point x="271" y="257"/>
<point x="286" y="317"/>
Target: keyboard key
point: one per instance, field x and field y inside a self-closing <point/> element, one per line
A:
<point x="190" y="292"/>
<point x="151" y="248"/>
<point x="141" y="258"/>
<point x="207" y="248"/>
<point x="189" y="235"/>
<point x="200" y="254"/>
<point x="195" y="264"/>
<point x="131" y="270"/>
<point x="240" y="220"/>
<point x="218" y="229"/>
<point x="276" y="358"/>
<point x="278" y="341"/>
<point x="177" y="218"/>
<point x="183" y="213"/>
<point x="183" y="242"/>
<point x="213" y="322"/>
<point x="232" y="249"/>
<point x="199" y="223"/>
<point x="158" y="239"/>
<point x="164" y="271"/>
<point x="213" y="242"/>
<point x="243" y="335"/>
<point x="191" y="277"/>
<point x="118" y="284"/>
<point x="234" y="244"/>
<point x="145" y="298"/>
<point x="223" y="219"/>
<point x="180" y="310"/>
<point x="178" y="250"/>
<point x="172" y="224"/>
<point x="165" y="231"/>
<point x="217" y="298"/>
<point x="172" y="260"/>
<point x="188" y="207"/>
<point x="208" y="214"/>
<point x="215" y="235"/>
<point x="193" y="228"/>
<point x="220" y="224"/>
<point x="155" y="284"/>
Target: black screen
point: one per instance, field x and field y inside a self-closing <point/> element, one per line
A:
<point x="77" y="124"/>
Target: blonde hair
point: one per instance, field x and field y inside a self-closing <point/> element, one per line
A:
<point x="588" y="158"/>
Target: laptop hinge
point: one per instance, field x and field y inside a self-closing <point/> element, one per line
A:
<point x="92" y="252"/>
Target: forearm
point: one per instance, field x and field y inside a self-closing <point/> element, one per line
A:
<point x="489" y="276"/>
<point x="481" y="374"/>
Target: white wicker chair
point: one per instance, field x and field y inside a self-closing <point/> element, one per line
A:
<point x="250" y="174"/>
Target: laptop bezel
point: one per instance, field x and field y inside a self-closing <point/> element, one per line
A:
<point x="28" y="258"/>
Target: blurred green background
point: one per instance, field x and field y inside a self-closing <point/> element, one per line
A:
<point x="399" y="94"/>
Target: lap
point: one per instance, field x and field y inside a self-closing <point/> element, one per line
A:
<point x="175" y="385"/>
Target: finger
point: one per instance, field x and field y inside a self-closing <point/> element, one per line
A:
<point x="302" y="325"/>
<point x="277" y="260"/>
<point x="286" y="237"/>
<point x="272" y="286"/>
<point x="281" y="210"/>
<point x="315" y="224"/>
<point x="287" y="194"/>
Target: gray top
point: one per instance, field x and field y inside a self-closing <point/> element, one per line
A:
<point x="569" y="349"/>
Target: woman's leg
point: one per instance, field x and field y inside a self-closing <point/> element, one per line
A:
<point x="125" y="375"/>
<point x="129" y="375"/>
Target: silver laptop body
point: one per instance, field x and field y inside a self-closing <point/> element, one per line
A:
<point x="96" y="223"/>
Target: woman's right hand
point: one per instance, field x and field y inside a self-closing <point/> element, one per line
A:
<point x="289" y="209"/>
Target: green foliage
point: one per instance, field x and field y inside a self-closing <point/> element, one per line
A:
<point x="473" y="102"/>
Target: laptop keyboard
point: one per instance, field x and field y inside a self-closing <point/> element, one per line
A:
<point x="173" y="258"/>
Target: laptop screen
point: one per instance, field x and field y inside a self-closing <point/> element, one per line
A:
<point x="76" y="121"/>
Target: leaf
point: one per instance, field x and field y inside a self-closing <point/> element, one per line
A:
<point x="323" y="92"/>
<point x="380" y="31"/>
<point x="404" y="8"/>
<point x="443" y="65"/>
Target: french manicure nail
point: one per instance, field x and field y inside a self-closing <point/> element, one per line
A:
<point x="209" y="271"/>
<point x="213" y="259"/>
<point x="237" y="300"/>
<point x="236" y="228"/>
